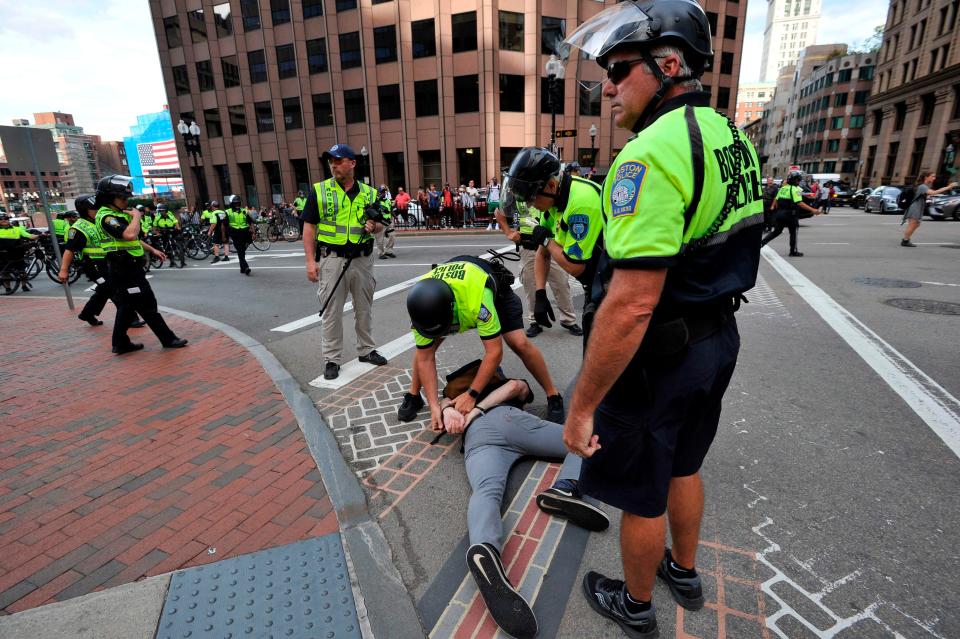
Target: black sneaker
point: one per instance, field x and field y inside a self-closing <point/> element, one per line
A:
<point x="225" y="258"/>
<point x="216" y="258"/>
<point x="129" y="348"/>
<point x="373" y="357"/>
<point x="796" y="254"/>
<point x="410" y="407"/>
<point x="534" y="330"/>
<point x="390" y="254"/>
<point x="606" y="597"/>
<point x="555" y="411"/>
<point x="331" y="371"/>
<point x="686" y="591"/>
<point x="573" y="328"/>
<point x="509" y="610"/>
<point x="384" y="257"/>
<point x="137" y="324"/>
<point x="92" y="321"/>
<point x="177" y="343"/>
<point x="246" y="271"/>
<point x="564" y="499"/>
<point x="907" y="243"/>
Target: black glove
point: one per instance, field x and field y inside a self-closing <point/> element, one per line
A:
<point x="541" y="235"/>
<point x="542" y="309"/>
<point x="526" y="241"/>
<point x="373" y="212"/>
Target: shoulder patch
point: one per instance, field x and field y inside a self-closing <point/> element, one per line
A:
<point x="71" y="233"/>
<point x="627" y="184"/>
<point x="484" y="315"/>
<point x="579" y="224"/>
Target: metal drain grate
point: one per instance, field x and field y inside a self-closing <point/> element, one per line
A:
<point x="933" y="307"/>
<point x="885" y="282"/>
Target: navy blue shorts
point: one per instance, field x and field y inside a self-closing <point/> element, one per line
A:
<point x="509" y="311"/>
<point x="659" y="423"/>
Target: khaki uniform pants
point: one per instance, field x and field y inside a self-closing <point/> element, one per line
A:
<point x="360" y="283"/>
<point x="385" y="243"/>
<point x="559" y="283"/>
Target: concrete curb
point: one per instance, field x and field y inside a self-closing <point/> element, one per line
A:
<point x="390" y="609"/>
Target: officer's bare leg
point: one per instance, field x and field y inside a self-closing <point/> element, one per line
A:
<point x="532" y="358"/>
<point x="641" y="549"/>
<point x="912" y="225"/>
<point x="685" y="511"/>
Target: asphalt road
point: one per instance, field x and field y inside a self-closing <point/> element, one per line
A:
<point x="833" y="476"/>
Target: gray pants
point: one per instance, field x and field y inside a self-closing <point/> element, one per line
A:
<point x="385" y="243"/>
<point x="493" y="443"/>
<point x="559" y="283"/>
<point x="360" y="283"/>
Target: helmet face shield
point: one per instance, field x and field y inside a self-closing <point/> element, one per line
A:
<point x="601" y="33"/>
<point x="517" y="196"/>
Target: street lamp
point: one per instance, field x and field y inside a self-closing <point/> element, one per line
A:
<point x="555" y="71"/>
<point x="363" y="170"/>
<point x="191" y="141"/>
<point x="593" y="147"/>
<point x="796" y="147"/>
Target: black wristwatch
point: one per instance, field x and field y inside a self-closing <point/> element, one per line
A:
<point x="473" y="393"/>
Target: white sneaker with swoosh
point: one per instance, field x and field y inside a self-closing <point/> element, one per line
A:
<point x="510" y="610"/>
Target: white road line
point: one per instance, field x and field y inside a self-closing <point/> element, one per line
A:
<point x="355" y="368"/>
<point x="931" y="402"/>
<point x="310" y="320"/>
<point x="832" y="243"/>
<point x="940" y="284"/>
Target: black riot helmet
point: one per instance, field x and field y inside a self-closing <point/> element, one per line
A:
<point x="232" y="201"/>
<point x="113" y="186"/>
<point x="161" y="209"/>
<point x="85" y="203"/>
<point x="214" y="203"/>
<point x="430" y="305"/>
<point x="794" y="177"/>
<point x="529" y="172"/>
<point x="644" y="25"/>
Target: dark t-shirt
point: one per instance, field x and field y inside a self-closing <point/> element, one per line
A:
<point x="311" y="210"/>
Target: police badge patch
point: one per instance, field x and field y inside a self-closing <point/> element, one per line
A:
<point x="484" y="315"/>
<point x="579" y="226"/>
<point x="627" y="183"/>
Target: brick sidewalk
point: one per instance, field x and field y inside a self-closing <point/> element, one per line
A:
<point x="115" y="468"/>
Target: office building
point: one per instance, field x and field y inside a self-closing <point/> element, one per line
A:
<point x="751" y="99"/>
<point x="830" y="112"/>
<point x="22" y="193"/>
<point x="425" y="93"/>
<point x="791" y="27"/>
<point x="112" y="156"/>
<point x="913" y="115"/>
<point x="76" y="151"/>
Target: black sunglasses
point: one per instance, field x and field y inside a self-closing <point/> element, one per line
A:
<point x="618" y="71"/>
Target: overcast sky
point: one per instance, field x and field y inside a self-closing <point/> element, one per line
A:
<point x="97" y="59"/>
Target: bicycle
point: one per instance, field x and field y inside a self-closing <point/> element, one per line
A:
<point x="261" y="237"/>
<point x="281" y="230"/>
<point x="12" y="273"/>
<point x="43" y="254"/>
<point x="197" y="243"/>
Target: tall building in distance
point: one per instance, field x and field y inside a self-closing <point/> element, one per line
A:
<point x="22" y="193"/>
<point x="77" y="152"/>
<point x="791" y="27"/>
<point x="751" y="100"/>
<point x="150" y="152"/>
<point x="425" y="93"/>
<point x="913" y="115"/>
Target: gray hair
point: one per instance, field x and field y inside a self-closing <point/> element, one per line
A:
<point x="665" y="51"/>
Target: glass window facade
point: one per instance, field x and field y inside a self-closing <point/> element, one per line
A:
<point x="511" y="92"/>
<point x="238" y="119"/>
<point x="426" y="98"/>
<point x="171" y="28"/>
<point x="181" y="81"/>
<point x="258" y="66"/>
<point x="424" y="38"/>
<point x="205" y="75"/>
<point x="350" y="50"/>
<point x="292" y="116"/>
<point x="388" y="96"/>
<point x="231" y="71"/>
<point x="322" y="109"/>
<point x="552" y="33"/>
<point x="279" y="11"/>
<point x="354" y="106"/>
<point x="264" y="115"/>
<point x="222" y="19"/>
<point x="466" y="93"/>
<point x="464" y="29"/>
<point x="317" y="55"/>
<point x="511" y="31"/>
<point x="286" y="61"/>
<point x="385" y="44"/>
<point x="250" y="13"/>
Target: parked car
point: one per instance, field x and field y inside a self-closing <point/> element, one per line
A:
<point x="841" y="197"/>
<point x="858" y="198"/>
<point x="945" y="205"/>
<point x="883" y="199"/>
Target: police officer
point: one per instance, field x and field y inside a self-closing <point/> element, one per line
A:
<point x="786" y="209"/>
<point x="60" y="226"/>
<point x="123" y="252"/>
<point x="146" y="219"/>
<point x="219" y="232"/>
<point x="683" y="218"/>
<point x="13" y="236"/>
<point x="521" y="182"/>
<point x="169" y="227"/>
<point x="573" y="238"/>
<point x="385" y="240"/>
<point x="464" y="293"/>
<point x="239" y="222"/>
<point x="338" y="232"/>
<point x="298" y="204"/>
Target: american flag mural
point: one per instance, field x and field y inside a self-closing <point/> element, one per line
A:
<point x="160" y="164"/>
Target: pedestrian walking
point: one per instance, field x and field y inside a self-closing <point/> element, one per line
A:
<point x="384" y="237"/>
<point x="493" y="203"/>
<point x="338" y="241"/>
<point x="823" y="197"/>
<point x="769" y="195"/>
<point x="239" y="221"/>
<point x="913" y="214"/>
<point x="683" y="247"/>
